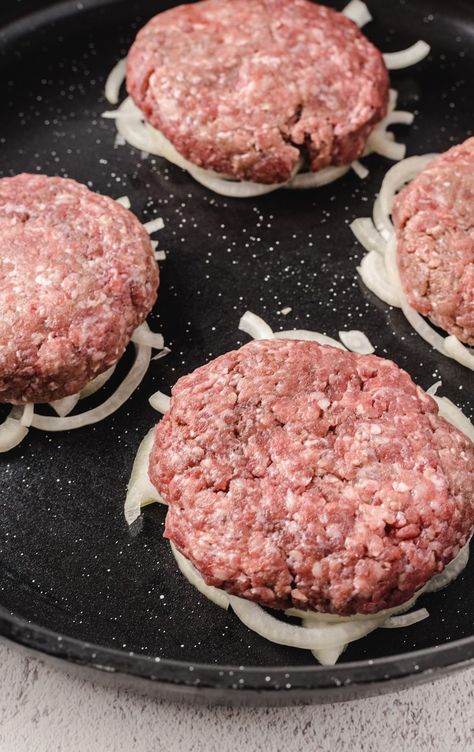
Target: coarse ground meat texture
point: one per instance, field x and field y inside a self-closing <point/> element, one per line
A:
<point x="302" y="475"/>
<point x="434" y="223"/>
<point x="248" y="87"/>
<point x="77" y="276"/>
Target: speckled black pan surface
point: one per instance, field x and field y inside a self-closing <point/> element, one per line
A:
<point x="73" y="582"/>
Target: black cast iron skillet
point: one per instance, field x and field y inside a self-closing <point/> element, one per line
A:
<point x="74" y="583"/>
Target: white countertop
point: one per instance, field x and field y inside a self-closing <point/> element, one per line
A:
<point x="44" y="710"/>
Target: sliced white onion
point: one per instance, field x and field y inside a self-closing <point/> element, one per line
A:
<point x="160" y="402"/>
<point x="422" y="327"/>
<point x="304" y="180"/>
<point x="450" y="572"/>
<point x="143" y="336"/>
<point x="219" y="597"/>
<point x="165" y="351"/>
<point x="450" y="412"/>
<point x="374" y="276"/>
<point x="124" y="201"/>
<point x="456" y="350"/>
<point x="405" y="58"/>
<point x="160" y="255"/>
<point x="93" y="386"/>
<point x="358" y="12"/>
<point x="116" y="400"/>
<point x="360" y="170"/>
<point x="380" y="143"/>
<point x="309" y="336"/>
<point x="329" y="656"/>
<point x="115" y="80"/>
<point x="141" y="490"/>
<point x="398" y="117"/>
<point x="154" y="225"/>
<point x="406" y="620"/>
<point x="395" y="179"/>
<point x="129" y="123"/>
<point x="315" y="637"/>
<point x="255" y="326"/>
<point x="419" y="324"/>
<point x="27" y="416"/>
<point x="12" y="430"/>
<point x="383" y="615"/>
<point x="367" y="235"/>
<point x="434" y="388"/>
<point x="357" y="342"/>
<point x="64" y="406"/>
<point x="233" y="189"/>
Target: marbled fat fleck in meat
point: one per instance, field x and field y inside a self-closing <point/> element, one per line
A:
<point x="246" y="87"/>
<point x="302" y="475"/>
<point x="77" y="276"/>
<point x="434" y="223"/>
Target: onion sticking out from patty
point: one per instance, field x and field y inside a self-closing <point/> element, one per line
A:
<point x="12" y="430"/>
<point x="406" y="620"/>
<point x="357" y="342"/>
<point x="405" y="58"/>
<point x="160" y="402"/>
<point x="458" y="351"/>
<point x="141" y="490"/>
<point x="450" y="412"/>
<point x="219" y="597"/>
<point x="358" y="12"/>
<point x="66" y="405"/>
<point x="115" y="80"/>
<point x="255" y="327"/>
<point x="124" y="201"/>
<point x="379" y="270"/>
<point x="111" y="405"/>
<point x="143" y="336"/>
<point x="154" y="225"/>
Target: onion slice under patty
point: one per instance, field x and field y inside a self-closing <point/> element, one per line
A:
<point x="115" y="80"/>
<point x="141" y="490"/>
<point x="379" y="270"/>
<point x="116" y="400"/>
<point x="12" y="430"/>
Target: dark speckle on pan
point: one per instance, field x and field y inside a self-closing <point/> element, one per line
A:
<point x="67" y="559"/>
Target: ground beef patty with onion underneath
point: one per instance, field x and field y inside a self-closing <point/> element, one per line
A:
<point x="302" y="475"/>
<point x="249" y="87"/>
<point x="434" y="224"/>
<point x="77" y="276"/>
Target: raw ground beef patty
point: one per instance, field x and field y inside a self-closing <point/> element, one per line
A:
<point x="77" y="276"/>
<point x="434" y="223"/>
<point x="246" y="87"/>
<point x="302" y="475"/>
